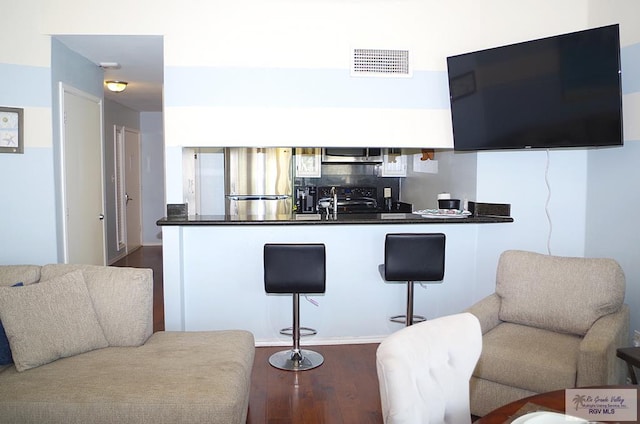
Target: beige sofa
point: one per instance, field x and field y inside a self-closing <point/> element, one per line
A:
<point x="552" y="323"/>
<point x="84" y="352"/>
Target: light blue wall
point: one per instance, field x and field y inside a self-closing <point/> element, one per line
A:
<point x="578" y="186"/>
<point x="27" y="222"/>
<point x="612" y="223"/>
<point x="29" y="216"/>
<point x="534" y="183"/>
<point x="30" y="85"/>
<point x="31" y="192"/>
<point x="153" y="205"/>
<point x="613" y="196"/>
<point x="630" y="59"/>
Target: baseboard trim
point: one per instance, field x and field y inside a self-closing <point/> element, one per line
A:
<point x="117" y="258"/>
<point x="321" y="341"/>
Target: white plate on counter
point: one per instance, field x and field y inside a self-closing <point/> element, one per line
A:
<point x="442" y="213"/>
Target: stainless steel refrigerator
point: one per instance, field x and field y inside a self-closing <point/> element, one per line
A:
<point x="258" y="182"/>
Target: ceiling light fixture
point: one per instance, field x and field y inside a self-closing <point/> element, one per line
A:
<point x="116" y="86"/>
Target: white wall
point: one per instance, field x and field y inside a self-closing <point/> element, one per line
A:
<point x="291" y="86"/>
<point x="456" y="174"/>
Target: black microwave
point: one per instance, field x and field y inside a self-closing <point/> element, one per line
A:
<point x="352" y="154"/>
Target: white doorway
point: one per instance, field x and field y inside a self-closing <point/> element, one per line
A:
<point x="128" y="189"/>
<point x="81" y="167"/>
<point x="133" y="192"/>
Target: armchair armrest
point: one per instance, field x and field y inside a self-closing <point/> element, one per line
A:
<point x="487" y="310"/>
<point x="597" y="361"/>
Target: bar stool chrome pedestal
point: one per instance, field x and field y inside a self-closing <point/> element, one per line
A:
<point x="413" y="257"/>
<point x="295" y="269"/>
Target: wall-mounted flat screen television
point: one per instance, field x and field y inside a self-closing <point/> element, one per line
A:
<point x="561" y="91"/>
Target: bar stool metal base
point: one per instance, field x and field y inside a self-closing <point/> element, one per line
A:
<point x="304" y="331"/>
<point x="402" y="319"/>
<point x="290" y="360"/>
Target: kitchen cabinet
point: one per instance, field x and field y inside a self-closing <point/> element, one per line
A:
<point x="394" y="163"/>
<point x="309" y="162"/>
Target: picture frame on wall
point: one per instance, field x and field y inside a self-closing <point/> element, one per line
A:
<point x="11" y="130"/>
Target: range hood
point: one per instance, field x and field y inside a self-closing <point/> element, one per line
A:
<point x="352" y="155"/>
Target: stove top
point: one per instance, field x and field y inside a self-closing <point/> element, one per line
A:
<point x="351" y="199"/>
<point x="349" y="192"/>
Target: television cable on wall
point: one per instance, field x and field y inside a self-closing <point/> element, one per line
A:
<point x="546" y="206"/>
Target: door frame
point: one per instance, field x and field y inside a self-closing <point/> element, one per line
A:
<point x="63" y="89"/>
<point x="123" y="237"/>
<point x="138" y="184"/>
<point x="118" y="164"/>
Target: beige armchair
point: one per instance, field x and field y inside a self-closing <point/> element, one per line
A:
<point x="552" y="323"/>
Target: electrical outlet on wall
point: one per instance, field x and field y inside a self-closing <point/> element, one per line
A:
<point x="636" y="338"/>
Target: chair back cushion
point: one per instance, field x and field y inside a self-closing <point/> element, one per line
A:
<point x="424" y="371"/>
<point x="414" y="257"/>
<point x="564" y="294"/>
<point x="294" y="268"/>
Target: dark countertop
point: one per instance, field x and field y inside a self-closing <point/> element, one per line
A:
<point x="317" y="219"/>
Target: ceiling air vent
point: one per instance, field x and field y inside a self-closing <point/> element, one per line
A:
<point x="380" y="63"/>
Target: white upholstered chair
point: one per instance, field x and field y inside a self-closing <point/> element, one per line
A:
<point x="424" y="371"/>
<point x="553" y="323"/>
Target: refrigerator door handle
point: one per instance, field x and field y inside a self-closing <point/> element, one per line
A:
<point x="259" y="197"/>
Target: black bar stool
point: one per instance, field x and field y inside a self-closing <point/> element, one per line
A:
<point x="295" y="269"/>
<point x="413" y="257"/>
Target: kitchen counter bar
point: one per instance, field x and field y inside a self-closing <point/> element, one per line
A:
<point x="321" y="219"/>
<point x="214" y="276"/>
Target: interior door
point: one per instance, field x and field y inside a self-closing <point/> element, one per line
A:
<point x="121" y="219"/>
<point x="82" y="177"/>
<point x="133" y="191"/>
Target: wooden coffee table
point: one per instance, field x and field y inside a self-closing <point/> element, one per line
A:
<point x="550" y="401"/>
<point x="631" y="355"/>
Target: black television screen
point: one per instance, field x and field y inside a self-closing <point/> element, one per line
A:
<point x="561" y="91"/>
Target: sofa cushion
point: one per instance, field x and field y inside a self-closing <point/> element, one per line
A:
<point x="558" y="293"/>
<point x="11" y="274"/>
<point x="175" y="377"/>
<point x="122" y="298"/>
<point x="5" y="350"/>
<point x="529" y="358"/>
<point x="50" y="320"/>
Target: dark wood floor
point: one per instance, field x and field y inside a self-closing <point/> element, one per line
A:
<point x="343" y="390"/>
<point x="150" y="257"/>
